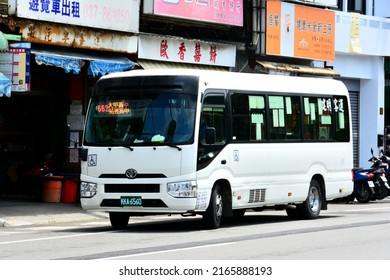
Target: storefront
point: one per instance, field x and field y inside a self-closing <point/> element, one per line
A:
<point x="52" y="66"/>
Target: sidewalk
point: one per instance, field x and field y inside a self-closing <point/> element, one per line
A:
<point x="16" y="212"/>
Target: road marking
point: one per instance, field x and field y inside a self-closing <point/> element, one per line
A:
<point x="367" y="209"/>
<point x="11" y="232"/>
<point x="167" y="251"/>
<point x="50" y="238"/>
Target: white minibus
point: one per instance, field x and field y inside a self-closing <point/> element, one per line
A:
<point x="213" y="143"/>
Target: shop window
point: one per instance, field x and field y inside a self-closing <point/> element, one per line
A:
<point x="357" y="6"/>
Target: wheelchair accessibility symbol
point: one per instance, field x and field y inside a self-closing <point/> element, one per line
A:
<point x="92" y="160"/>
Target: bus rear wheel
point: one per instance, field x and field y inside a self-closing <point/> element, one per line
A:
<point x="119" y="220"/>
<point x="213" y="216"/>
<point x="311" y="207"/>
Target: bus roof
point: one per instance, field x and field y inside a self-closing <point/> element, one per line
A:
<point x="247" y="81"/>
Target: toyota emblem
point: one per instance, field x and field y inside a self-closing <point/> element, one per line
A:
<point x="131" y="173"/>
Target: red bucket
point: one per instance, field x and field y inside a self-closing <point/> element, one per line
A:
<point x="51" y="188"/>
<point x="69" y="191"/>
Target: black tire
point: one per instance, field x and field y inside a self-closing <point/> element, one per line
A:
<point x="119" y="220"/>
<point x="363" y="193"/>
<point x="213" y="216"/>
<point x="311" y="207"/>
<point x="381" y="192"/>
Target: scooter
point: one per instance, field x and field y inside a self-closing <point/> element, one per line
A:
<point x="379" y="168"/>
<point x="363" y="185"/>
<point x="386" y="160"/>
<point x="371" y="183"/>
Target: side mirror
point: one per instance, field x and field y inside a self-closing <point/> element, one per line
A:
<point x="210" y="135"/>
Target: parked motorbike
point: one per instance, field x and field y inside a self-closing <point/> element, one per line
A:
<point x="363" y="185"/>
<point x="386" y="160"/>
<point x="43" y="168"/>
<point x="371" y="183"/>
<point x="380" y="181"/>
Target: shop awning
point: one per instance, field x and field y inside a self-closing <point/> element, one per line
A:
<point x="5" y="86"/>
<point x="100" y="63"/>
<point x="155" y="64"/>
<point x="269" y="67"/>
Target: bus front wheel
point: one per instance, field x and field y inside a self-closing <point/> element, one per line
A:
<point x="119" y="220"/>
<point x="213" y="216"/>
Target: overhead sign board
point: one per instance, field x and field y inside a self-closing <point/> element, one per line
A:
<point x="105" y="14"/>
<point x="186" y="51"/>
<point x="229" y="12"/>
<point x="300" y="31"/>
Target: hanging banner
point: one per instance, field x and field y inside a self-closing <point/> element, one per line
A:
<point x="300" y="31"/>
<point x="354" y="44"/>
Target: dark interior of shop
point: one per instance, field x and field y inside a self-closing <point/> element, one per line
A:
<point x="32" y="130"/>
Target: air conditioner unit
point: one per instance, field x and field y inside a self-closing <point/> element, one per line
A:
<point x="7" y="7"/>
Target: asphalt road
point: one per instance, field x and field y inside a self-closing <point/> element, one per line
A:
<point x="345" y="231"/>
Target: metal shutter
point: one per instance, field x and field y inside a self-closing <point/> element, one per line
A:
<point x="354" y="99"/>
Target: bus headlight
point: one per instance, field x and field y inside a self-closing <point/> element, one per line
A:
<point x="87" y="190"/>
<point x="182" y="189"/>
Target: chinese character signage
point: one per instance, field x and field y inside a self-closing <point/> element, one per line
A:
<point x="186" y="51"/>
<point x="105" y="14"/>
<point x="354" y="43"/>
<point x="15" y="65"/>
<point x="300" y="31"/>
<point x="228" y="12"/>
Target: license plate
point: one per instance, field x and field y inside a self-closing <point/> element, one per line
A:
<point x="371" y="184"/>
<point x="131" y="201"/>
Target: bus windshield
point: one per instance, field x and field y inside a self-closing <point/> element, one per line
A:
<point x="140" y="118"/>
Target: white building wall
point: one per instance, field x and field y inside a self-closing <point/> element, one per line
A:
<point x="371" y="110"/>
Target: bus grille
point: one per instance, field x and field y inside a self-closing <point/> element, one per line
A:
<point x="132" y="188"/>
<point x="257" y="195"/>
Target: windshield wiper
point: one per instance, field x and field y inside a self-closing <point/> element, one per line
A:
<point x="173" y="146"/>
<point x="130" y="148"/>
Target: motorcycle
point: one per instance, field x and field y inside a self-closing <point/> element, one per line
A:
<point x="385" y="159"/>
<point x="363" y="185"/>
<point x="380" y="181"/>
<point x="371" y="183"/>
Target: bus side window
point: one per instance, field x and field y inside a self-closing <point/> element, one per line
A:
<point x="293" y="118"/>
<point x="248" y="113"/>
<point x="319" y="118"/>
<point x="341" y="119"/>
<point x="213" y="115"/>
<point x="240" y="114"/>
<point x="285" y="118"/>
<point x="277" y="113"/>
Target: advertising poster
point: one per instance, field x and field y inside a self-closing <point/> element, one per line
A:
<point x="300" y="31"/>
